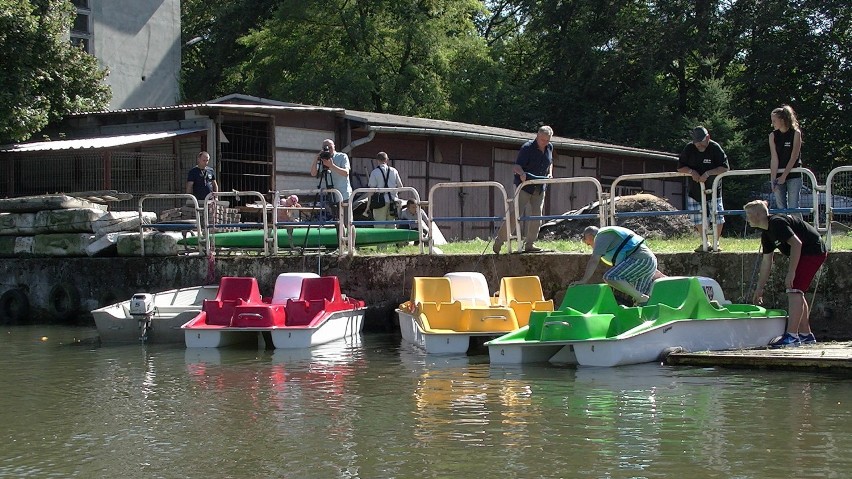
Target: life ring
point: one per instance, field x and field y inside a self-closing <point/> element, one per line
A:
<point x="63" y="301"/>
<point x="14" y="306"/>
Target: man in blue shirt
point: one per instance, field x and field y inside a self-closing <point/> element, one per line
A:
<point x="535" y="161"/>
<point x="201" y="179"/>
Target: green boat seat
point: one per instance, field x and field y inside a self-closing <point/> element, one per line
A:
<point x="590" y="298"/>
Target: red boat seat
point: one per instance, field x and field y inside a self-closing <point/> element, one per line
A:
<point x="318" y="295"/>
<point x="233" y="291"/>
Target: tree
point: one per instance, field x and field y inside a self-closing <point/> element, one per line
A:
<point x="390" y="56"/>
<point x="43" y="77"/>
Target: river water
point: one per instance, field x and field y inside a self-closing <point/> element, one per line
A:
<point x="381" y="409"/>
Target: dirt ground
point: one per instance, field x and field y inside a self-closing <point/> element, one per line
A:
<point x="654" y="227"/>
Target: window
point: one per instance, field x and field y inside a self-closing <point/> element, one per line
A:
<point x="81" y="29"/>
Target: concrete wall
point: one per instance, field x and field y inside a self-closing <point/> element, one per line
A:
<point x="384" y="282"/>
<point x="139" y="42"/>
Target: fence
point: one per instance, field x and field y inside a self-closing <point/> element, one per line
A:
<point x="835" y="205"/>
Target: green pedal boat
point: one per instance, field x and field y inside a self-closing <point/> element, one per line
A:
<point x="591" y="329"/>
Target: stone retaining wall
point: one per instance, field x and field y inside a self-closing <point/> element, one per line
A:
<point x="384" y="281"/>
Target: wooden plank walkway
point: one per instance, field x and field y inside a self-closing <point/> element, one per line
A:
<point x="829" y="357"/>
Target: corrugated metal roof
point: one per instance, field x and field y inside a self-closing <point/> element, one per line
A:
<point x="415" y="125"/>
<point x="98" y="142"/>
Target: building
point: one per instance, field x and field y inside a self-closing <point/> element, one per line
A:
<point x="138" y="42"/>
<point x="264" y="145"/>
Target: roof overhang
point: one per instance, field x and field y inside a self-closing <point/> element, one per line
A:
<point x="100" y="142"/>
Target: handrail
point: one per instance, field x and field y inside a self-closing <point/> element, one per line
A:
<point x="763" y="171"/>
<point x="829" y="204"/>
<point x="278" y="194"/>
<point x="350" y="217"/>
<point x="551" y="181"/>
<point x="470" y="184"/>
<point x="706" y="223"/>
<point x="640" y="176"/>
<point x="235" y="193"/>
<point x="142" y="226"/>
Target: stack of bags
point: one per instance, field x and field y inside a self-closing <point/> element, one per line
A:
<point x="60" y="225"/>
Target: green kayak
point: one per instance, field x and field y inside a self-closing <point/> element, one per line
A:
<point x="316" y="237"/>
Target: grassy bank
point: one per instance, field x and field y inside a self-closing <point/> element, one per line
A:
<point x="674" y="245"/>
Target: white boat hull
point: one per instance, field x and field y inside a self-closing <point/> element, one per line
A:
<point x="173" y="308"/>
<point x="338" y="325"/>
<point x="220" y="338"/>
<point x="523" y="353"/>
<point x="436" y="343"/>
<point x="691" y="335"/>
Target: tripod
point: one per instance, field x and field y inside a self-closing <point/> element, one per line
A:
<point x="324" y="212"/>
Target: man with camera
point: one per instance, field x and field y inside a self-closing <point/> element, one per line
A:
<point x="332" y="168"/>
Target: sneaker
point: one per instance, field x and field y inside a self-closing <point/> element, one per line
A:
<point x="496" y="247"/>
<point x="807" y="338"/>
<point x="532" y="249"/>
<point x="786" y="340"/>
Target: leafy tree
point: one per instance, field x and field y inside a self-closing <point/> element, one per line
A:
<point x="210" y="30"/>
<point x="43" y="77"/>
<point x="381" y="55"/>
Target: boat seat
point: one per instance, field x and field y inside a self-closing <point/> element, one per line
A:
<point x="431" y="289"/>
<point x="233" y="291"/>
<point x="318" y="295"/>
<point x="590" y="298"/>
<point x="289" y="286"/>
<point x="443" y="316"/>
<point x="325" y="287"/>
<point x="679" y="298"/>
<point x="524" y="295"/>
<point x="469" y="288"/>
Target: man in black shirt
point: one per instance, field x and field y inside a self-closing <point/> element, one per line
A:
<point x="703" y="159"/>
<point x="803" y="244"/>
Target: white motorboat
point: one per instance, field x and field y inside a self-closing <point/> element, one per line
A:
<point x="155" y="318"/>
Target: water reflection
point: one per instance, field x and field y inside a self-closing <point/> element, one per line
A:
<point x="378" y="409"/>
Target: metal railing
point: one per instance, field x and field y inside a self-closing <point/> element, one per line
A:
<point x="211" y="239"/>
<point x="814" y="209"/>
<point x="471" y="184"/>
<point x="830" y="210"/>
<point x="349" y="214"/>
<point x="202" y="232"/>
<point x="276" y="207"/>
<point x="601" y="215"/>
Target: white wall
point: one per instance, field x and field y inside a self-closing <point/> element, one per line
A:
<point x="139" y="42"/>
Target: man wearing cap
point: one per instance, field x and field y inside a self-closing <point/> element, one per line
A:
<point x="703" y="159"/>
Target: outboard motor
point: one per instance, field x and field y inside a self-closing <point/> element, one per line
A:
<point x="142" y="308"/>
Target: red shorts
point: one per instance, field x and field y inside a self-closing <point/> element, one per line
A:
<point x="806" y="270"/>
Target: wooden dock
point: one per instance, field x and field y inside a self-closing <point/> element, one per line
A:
<point x="825" y="357"/>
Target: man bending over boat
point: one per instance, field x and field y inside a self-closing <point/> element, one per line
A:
<point x="803" y="244"/>
<point x="634" y="266"/>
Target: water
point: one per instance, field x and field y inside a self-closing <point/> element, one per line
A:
<point x="379" y="409"/>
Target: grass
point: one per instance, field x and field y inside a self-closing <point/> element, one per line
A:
<point x="675" y="245"/>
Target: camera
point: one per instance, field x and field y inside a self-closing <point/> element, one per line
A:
<point x="326" y="153"/>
